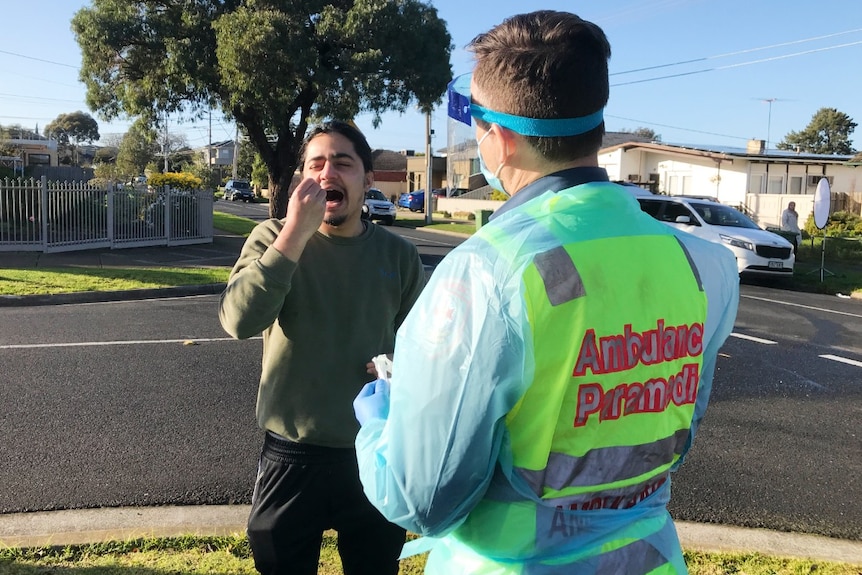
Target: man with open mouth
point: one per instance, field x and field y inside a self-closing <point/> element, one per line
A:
<point x="328" y="290"/>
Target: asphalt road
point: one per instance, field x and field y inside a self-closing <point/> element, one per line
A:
<point x="149" y="403"/>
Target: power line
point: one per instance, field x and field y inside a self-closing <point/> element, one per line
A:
<point x="738" y="52"/>
<point x="641" y="122"/>
<point x="27" y="97"/>
<point x="38" y="59"/>
<point x="738" y="65"/>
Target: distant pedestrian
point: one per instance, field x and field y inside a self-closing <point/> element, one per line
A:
<point x="328" y="290"/>
<point x="790" y="223"/>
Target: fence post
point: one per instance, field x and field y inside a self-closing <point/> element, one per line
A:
<point x="43" y="200"/>
<point x="168" y="221"/>
<point x="111" y="234"/>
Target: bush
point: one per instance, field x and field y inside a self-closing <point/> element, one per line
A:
<point x="176" y="180"/>
<point x="841" y="225"/>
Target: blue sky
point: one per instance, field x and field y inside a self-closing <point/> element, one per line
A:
<point x="754" y="69"/>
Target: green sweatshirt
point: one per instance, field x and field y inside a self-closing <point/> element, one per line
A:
<point x="323" y="319"/>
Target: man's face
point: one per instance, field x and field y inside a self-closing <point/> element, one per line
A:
<point x="791" y="206"/>
<point x="332" y="161"/>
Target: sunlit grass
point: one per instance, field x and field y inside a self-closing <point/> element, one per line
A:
<point x="845" y="279"/>
<point x="44" y="281"/>
<point x="232" y="555"/>
<point x="233" y="224"/>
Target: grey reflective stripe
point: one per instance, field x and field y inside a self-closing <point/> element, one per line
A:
<point x="636" y="558"/>
<point x="619" y="498"/>
<point x="604" y="465"/>
<point x="691" y="263"/>
<point x="562" y="281"/>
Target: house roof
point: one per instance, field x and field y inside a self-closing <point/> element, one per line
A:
<point x="616" y="138"/>
<point x="388" y="161"/>
<point x="730" y="153"/>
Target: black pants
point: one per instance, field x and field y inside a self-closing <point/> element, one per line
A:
<point x="303" y="490"/>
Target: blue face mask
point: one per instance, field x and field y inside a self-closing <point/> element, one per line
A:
<point x="493" y="179"/>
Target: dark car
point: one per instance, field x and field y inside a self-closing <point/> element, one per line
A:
<point x="413" y="201"/>
<point x="238" y="190"/>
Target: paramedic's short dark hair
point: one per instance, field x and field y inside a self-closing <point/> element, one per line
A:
<point x="546" y="64"/>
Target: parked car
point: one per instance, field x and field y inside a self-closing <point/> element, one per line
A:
<point x="757" y="251"/>
<point x="413" y="201"/>
<point x="377" y="207"/>
<point x="238" y="190"/>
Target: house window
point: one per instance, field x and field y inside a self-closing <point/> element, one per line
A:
<point x="775" y="185"/>
<point x="38" y="159"/>
<point x="795" y="186"/>
<point x="755" y="184"/>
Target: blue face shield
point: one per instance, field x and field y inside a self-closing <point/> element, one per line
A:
<point x="462" y="108"/>
<point x="462" y="159"/>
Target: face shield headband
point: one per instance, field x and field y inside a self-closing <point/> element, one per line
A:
<point x="461" y="108"/>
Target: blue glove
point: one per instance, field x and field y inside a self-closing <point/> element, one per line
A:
<point x="372" y="401"/>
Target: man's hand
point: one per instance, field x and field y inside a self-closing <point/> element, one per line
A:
<point x="372" y="401"/>
<point x="305" y="211"/>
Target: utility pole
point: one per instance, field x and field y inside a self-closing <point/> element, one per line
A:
<point x="235" y="150"/>
<point x="428" y="169"/>
<point x="210" y="147"/>
<point x="165" y="147"/>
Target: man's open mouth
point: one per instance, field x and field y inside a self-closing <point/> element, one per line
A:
<point x="334" y="196"/>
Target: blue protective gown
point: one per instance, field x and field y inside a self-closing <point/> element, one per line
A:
<point x="460" y="362"/>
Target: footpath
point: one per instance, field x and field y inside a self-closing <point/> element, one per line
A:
<point x="81" y="526"/>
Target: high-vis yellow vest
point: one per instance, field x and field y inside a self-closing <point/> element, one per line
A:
<point x="616" y="326"/>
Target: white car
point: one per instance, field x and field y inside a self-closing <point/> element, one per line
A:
<point x="757" y="251"/>
<point x="377" y="207"/>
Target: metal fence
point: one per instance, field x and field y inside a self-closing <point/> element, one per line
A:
<point x="37" y="215"/>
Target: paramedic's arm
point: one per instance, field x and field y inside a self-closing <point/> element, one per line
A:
<point x="457" y="372"/>
<point x="720" y="279"/>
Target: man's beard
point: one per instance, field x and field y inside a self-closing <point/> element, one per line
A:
<point x="335" y="221"/>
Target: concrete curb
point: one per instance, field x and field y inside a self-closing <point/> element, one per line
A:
<point x="77" y="527"/>
<point x="108" y="296"/>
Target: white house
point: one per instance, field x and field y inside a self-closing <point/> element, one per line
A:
<point x="31" y="148"/>
<point x="759" y="181"/>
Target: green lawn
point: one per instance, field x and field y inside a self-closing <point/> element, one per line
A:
<point x="843" y="260"/>
<point x="232" y="556"/>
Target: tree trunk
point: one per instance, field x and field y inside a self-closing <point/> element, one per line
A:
<point x="279" y="190"/>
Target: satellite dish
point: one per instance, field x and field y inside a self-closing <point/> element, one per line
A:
<point x="822" y="202"/>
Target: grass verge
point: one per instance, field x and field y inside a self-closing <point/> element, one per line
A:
<point x="233" y="224"/>
<point x="50" y="281"/>
<point x="231" y="555"/>
<point x="844" y="277"/>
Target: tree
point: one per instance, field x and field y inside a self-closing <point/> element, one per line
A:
<point x="827" y="133"/>
<point x="644" y="133"/>
<point x="106" y="155"/>
<point x="272" y="65"/>
<point x="137" y="149"/>
<point x="8" y="147"/>
<point x="71" y="129"/>
<point x="245" y="159"/>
